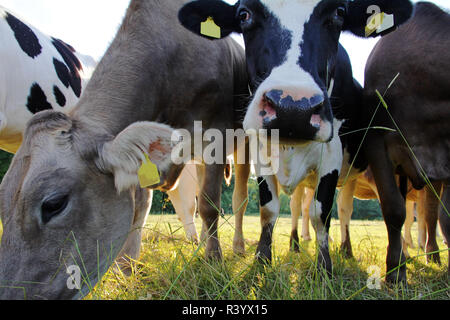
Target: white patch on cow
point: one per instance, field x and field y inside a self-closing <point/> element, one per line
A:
<point x="315" y="214"/>
<point x="305" y="163"/>
<point x="271" y="209"/>
<point x="331" y="88"/>
<point x="293" y="15"/>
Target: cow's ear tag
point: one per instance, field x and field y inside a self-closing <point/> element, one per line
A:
<point x="210" y="29"/>
<point x="379" y="22"/>
<point x="148" y="174"/>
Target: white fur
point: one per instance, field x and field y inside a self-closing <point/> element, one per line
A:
<point x="305" y="163"/>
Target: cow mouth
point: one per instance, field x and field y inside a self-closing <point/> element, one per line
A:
<point x="295" y="123"/>
<point x="316" y="121"/>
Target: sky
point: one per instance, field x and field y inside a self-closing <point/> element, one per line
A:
<point x="90" y="25"/>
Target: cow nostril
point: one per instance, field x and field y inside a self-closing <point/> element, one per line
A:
<point x="272" y="98"/>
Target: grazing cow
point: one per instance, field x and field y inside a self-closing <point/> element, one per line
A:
<point x="70" y="197"/>
<point x="303" y="87"/>
<point x="38" y="73"/>
<point x="418" y="109"/>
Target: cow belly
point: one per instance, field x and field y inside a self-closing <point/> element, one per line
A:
<point x="348" y="172"/>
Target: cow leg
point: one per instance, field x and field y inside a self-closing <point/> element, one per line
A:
<point x="209" y="207"/>
<point x="306" y="204"/>
<point x="320" y="215"/>
<point x="132" y="247"/>
<point x="269" y="210"/>
<point x="240" y="202"/>
<point x="392" y="205"/>
<point x="200" y="177"/>
<point x="408" y="223"/>
<point x="296" y="205"/>
<point x="444" y="220"/>
<point x="183" y="200"/>
<point x="185" y="208"/>
<point x="431" y="210"/>
<point x="345" y="210"/>
<point x="421" y="224"/>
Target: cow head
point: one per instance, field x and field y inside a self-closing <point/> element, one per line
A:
<point x="291" y="49"/>
<point x="67" y="203"/>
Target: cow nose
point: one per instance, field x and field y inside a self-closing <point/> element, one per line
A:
<point x="283" y="102"/>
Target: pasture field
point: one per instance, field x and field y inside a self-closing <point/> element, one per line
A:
<point x="172" y="268"/>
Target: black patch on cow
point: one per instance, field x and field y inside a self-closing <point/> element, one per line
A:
<point x="62" y="72"/>
<point x="70" y="74"/>
<point x="59" y="96"/>
<point x="271" y="36"/>
<point x="264" y="250"/>
<point x="325" y="195"/>
<point x="27" y="39"/>
<point x="265" y="196"/>
<point x="37" y="100"/>
<point x="319" y="48"/>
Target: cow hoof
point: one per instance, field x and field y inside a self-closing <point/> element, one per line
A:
<point x="434" y="258"/>
<point x="306" y="237"/>
<point x="397" y="277"/>
<point x="346" y="250"/>
<point x="294" y="242"/>
<point x="213" y="251"/>
<point x="239" y="247"/>
<point x="324" y="262"/>
<point x="264" y="254"/>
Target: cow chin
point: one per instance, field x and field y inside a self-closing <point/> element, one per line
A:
<point x="325" y="133"/>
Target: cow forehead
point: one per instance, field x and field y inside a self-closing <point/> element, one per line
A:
<point x="291" y="13"/>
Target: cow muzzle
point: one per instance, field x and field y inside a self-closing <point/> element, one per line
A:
<point x="295" y="116"/>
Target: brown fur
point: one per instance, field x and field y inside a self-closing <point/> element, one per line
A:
<point x="419" y="102"/>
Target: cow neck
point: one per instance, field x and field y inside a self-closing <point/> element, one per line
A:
<point x="124" y="88"/>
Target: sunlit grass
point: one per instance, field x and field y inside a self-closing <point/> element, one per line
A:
<point x="172" y="268"/>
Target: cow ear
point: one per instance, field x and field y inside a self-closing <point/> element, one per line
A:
<point x="222" y="16"/>
<point x="133" y="147"/>
<point x="373" y="18"/>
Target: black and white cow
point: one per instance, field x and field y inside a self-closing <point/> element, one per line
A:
<point x="303" y="86"/>
<point x="37" y="72"/>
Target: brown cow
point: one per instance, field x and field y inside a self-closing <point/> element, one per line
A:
<point x="419" y="103"/>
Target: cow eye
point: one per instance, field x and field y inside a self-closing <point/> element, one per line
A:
<point x="53" y="207"/>
<point x="244" y="16"/>
<point x="340" y="12"/>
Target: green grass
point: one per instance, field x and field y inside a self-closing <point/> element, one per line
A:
<point x="172" y="268"/>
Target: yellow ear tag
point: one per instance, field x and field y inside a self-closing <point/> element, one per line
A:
<point x="375" y="23"/>
<point x="210" y="29"/>
<point x="148" y="174"/>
